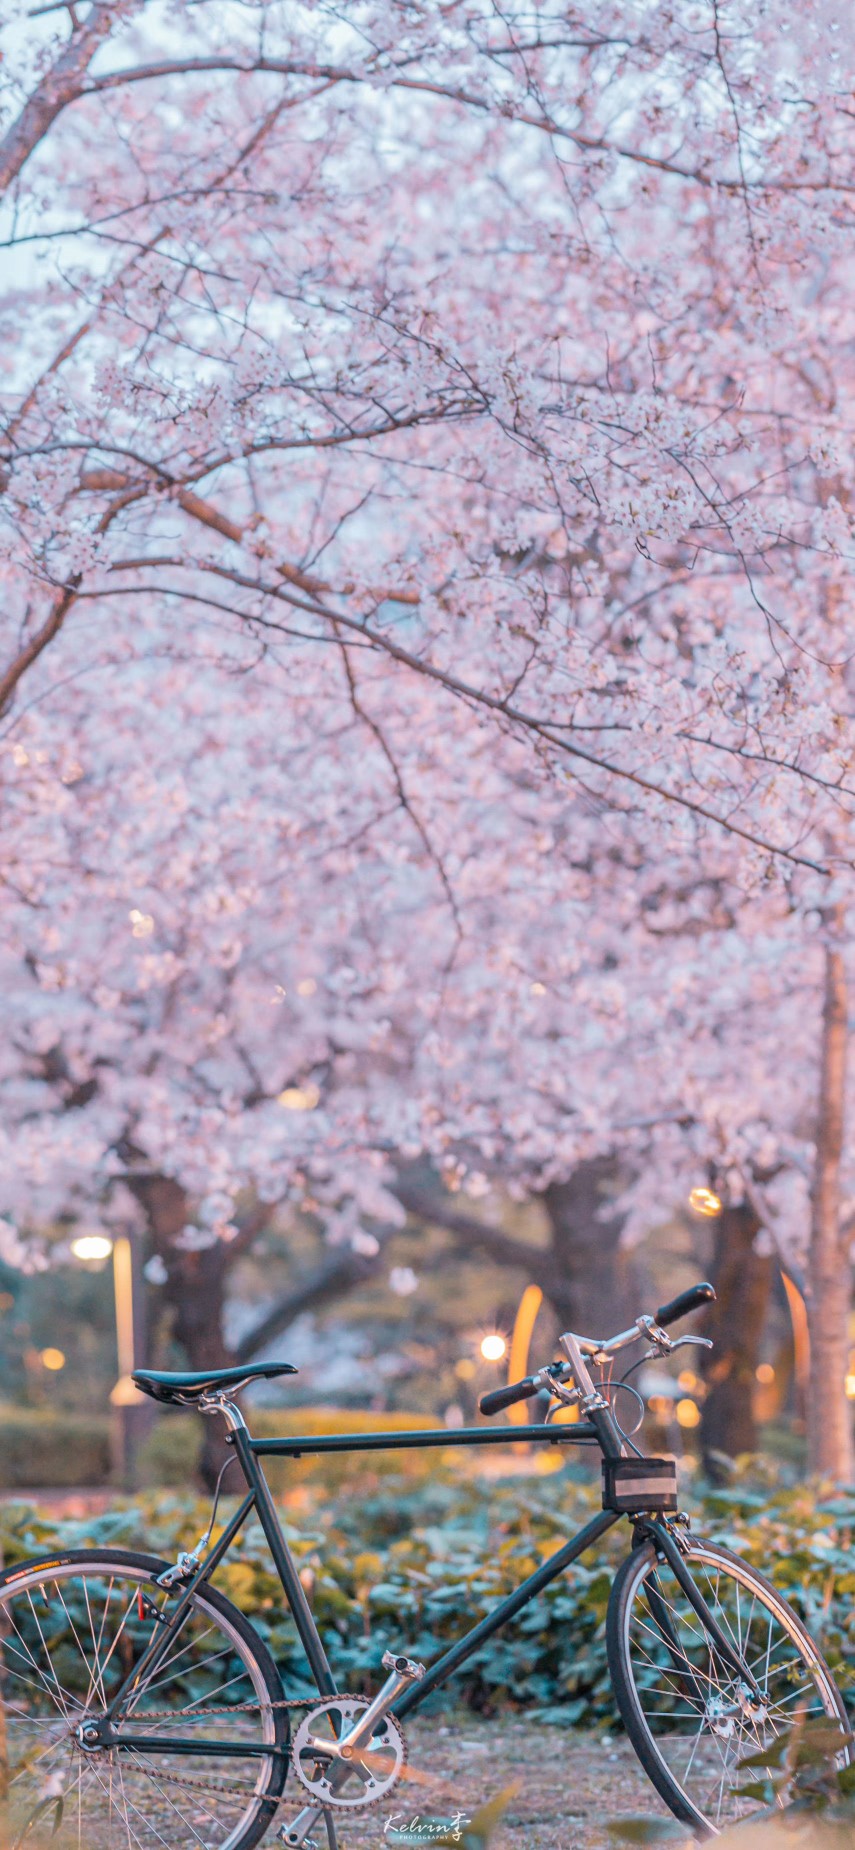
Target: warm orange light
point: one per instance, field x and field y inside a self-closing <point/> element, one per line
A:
<point x="765" y="1373"/>
<point x="464" y="1369"/>
<point x="688" y="1414"/>
<point x="524" y="1323"/>
<point x="52" y="1358"/>
<point x="493" y="1347"/>
<point x="850" y="1387"/>
<point x="299" y="1098"/>
<point x="704" y="1201"/>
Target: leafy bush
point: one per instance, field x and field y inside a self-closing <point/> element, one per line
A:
<point x="406" y="1566"/>
<point x="171" y="1453"/>
<point x="41" y="1450"/>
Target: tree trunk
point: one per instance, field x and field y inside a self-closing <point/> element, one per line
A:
<point x="743" y="1281"/>
<point x="830" y="1452"/>
<point x="591" y="1279"/>
<point x="584" y="1274"/>
<point x="194" y="1290"/>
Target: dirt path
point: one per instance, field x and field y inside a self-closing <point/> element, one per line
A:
<point x="570" y="1784"/>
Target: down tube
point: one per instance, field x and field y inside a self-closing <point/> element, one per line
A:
<point x="457" y="1655"/>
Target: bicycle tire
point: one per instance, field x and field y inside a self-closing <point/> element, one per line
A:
<point x="48" y="1696"/>
<point x="708" y="1711"/>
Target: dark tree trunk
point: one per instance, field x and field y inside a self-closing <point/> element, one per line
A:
<point x="743" y="1280"/>
<point x="590" y="1279"/>
<point x="194" y="1291"/>
<point x="584" y="1274"/>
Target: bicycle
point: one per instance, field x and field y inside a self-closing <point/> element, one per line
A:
<point x="142" y="1708"/>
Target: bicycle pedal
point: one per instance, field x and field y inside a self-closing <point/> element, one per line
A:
<point x="406" y="1667"/>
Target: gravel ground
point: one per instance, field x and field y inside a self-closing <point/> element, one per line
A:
<point x="570" y="1784"/>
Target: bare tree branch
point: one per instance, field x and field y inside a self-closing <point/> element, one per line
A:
<point x="338" y="1274"/>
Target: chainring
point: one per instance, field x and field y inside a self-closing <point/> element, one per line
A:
<point x="375" y="1767"/>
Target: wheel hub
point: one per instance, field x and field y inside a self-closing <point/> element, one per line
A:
<point x="92" y="1735"/>
<point x="723" y="1712"/>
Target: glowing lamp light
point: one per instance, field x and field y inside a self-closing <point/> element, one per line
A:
<point x="688" y="1414"/>
<point x="142" y="923"/>
<point x="464" y="1369"/>
<point x="765" y="1374"/>
<point x="850" y="1387"/>
<point x="299" y="1098"/>
<point x="92" y="1246"/>
<point x="52" y="1358"/>
<point x="704" y="1201"/>
<point x="493" y="1347"/>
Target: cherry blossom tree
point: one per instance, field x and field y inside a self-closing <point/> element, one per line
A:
<point x="426" y="506"/>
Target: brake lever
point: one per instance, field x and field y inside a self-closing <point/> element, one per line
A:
<point x="667" y="1345"/>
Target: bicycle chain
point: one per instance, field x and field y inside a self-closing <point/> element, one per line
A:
<point x="233" y="1708"/>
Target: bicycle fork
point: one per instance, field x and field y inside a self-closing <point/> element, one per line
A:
<point x="726" y="1648"/>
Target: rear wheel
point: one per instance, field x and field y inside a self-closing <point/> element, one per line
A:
<point x="690" y="1719"/>
<point x="72" y="1628"/>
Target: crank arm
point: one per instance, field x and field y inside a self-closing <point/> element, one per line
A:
<point x="402" y="1671"/>
<point x="297" y="1834"/>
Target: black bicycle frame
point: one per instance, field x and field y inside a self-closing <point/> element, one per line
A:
<point x="599" y="1430"/>
<point x="259" y="1499"/>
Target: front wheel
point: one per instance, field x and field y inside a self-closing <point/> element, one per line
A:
<point x="200" y="1751"/>
<point x="690" y="1719"/>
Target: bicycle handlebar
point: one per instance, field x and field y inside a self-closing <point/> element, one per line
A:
<point x="681" y="1306"/>
<point x="500" y="1398"/>
<point x="685" y="1302"/>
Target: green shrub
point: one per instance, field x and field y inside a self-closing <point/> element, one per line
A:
<point x="42" y="1450"/>
<point x="170" y="1455"/>
<point x="408" y="1566"/>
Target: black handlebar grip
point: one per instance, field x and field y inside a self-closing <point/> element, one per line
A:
<point x="693" y="1299"/>
<point x="499" y="1398"/>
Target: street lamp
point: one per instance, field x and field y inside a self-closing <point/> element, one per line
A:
<point x="92" y="1247"/>
<point x="129" y="1403"/>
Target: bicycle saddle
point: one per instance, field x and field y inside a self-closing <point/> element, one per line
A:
<point x="170" y="1386"/>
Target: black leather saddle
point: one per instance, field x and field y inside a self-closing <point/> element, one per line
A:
<point x="169" y="1386"/>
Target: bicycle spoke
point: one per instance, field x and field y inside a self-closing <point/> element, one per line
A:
<point x="150" y="1774"/>
<point x="702" y="1720"/>
<point x="69" y="1640"/>
<point x="198" y="1665"/>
